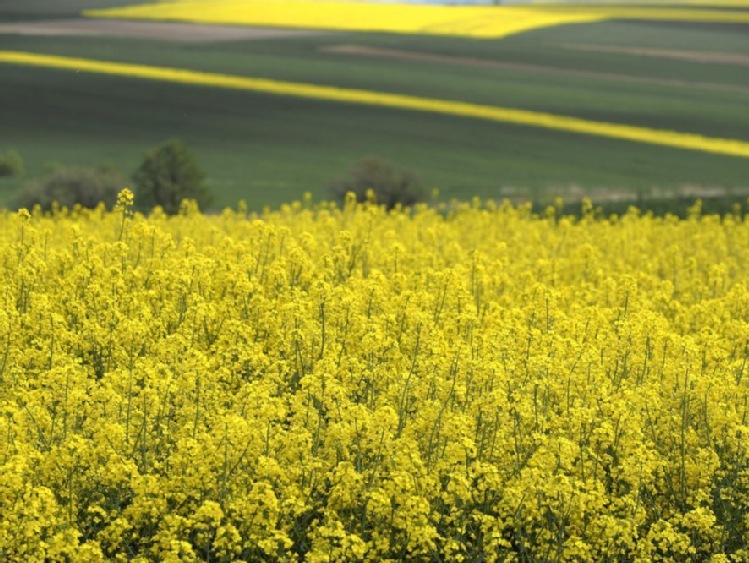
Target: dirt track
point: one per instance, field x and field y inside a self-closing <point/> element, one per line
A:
<point x="538" y="69"/>
<point x="691" y="56"/>
<point x="163" y="31"/>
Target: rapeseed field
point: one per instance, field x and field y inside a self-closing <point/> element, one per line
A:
<point x="463" y="382"/>
<point x="488" y="22"/>
<point x="467" y="21"/>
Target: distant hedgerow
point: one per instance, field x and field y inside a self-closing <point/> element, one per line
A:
<point x="389" y="185"/>
<point x="71" y="185"/>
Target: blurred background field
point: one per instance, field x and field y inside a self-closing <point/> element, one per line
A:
<point x="686" y="75"/>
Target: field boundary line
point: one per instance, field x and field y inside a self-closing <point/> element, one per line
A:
<point x="674" y="139"/>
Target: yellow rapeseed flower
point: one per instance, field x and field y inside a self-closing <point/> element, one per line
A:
<point x="347" y="383"/>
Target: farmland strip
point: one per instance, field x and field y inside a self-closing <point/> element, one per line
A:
<point x="690" y="141"/>
<point x="397" y="54"/>
<point x="690" y="56"/>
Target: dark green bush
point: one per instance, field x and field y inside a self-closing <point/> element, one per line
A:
<point x="169" y="173"/>
<point x="11" y="164"/>
<point x="70" y="185"/>
<point x="390" y="185"/>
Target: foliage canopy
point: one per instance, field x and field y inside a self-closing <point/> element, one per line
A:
<point x="168" y="174"/>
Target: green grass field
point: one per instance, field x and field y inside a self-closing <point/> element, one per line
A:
<point x="270" y="149"/>
<point x="27" y="9"/>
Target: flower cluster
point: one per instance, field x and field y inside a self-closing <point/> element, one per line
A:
<point x="462" y="383"/>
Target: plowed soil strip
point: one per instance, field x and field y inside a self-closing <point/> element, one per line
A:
<point x="691" y="56"/>
<point x="163" y="31"/>
<point x="395" y="54"/>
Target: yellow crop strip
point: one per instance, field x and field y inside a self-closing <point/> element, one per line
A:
<point x="730" y="147"/>
<point x="487" y="22"/>
<point x="473" y="21"/>
<point x="665" y="13"/>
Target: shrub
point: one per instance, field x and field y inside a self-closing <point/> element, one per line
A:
<point x="169" y="173"/>
<point x="70" y="185"/>
<point x="11" y="164"/>
<point x="390" y="185"/>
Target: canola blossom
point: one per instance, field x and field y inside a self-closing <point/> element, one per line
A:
<point x="690" y="141"/>
<point x="472" y="21"/>
<point x="460" y="383"/>
<point x="489" y="22"/>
